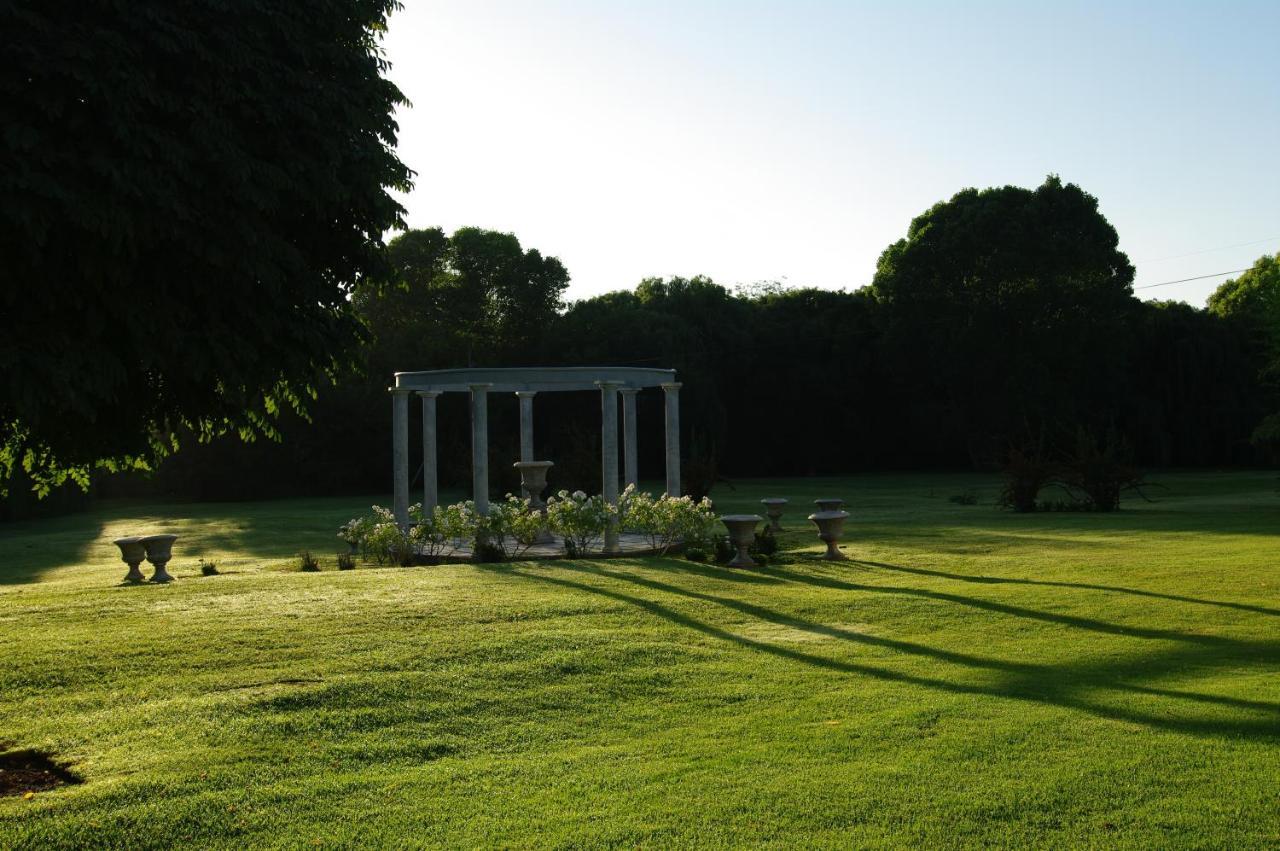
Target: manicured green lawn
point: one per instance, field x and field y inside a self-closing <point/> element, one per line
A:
<point x="972" y="678"/>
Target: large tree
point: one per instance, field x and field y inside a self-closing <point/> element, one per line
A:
<point x="1005" y="311"/>
<point x="476" y="296"/>
<point x="1253" y="301"/>
<point x="191" y="189"/>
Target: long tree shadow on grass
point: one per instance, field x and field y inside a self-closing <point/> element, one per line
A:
<point x="1085" y="586"/>
<point x="1072" y="686"/>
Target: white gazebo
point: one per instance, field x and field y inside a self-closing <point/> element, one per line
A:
<point x="525" y="383"/>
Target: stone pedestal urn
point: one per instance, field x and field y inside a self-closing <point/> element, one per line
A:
<point x="132" y="552"/>
<point x="828" y="505"/>
<point x="830" y="527"/>
<point x="742" y="533"/>
<point x="159" y="551"/>
<point x="773" y="507"/>
<point x="533" y="481"/>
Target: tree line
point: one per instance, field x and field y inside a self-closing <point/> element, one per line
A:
<point x="1003" y="321"/>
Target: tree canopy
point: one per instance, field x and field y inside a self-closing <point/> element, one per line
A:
<point x="478" y="291"/>
<point x="1253" y="300"/>
<point x="778" y="381"/>
<point x="1005" y="308"/>
<point x="191" y="192"/>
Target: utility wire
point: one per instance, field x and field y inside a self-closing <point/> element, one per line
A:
<point x="1209" y="250"/>
<point x="1184" y="280"/>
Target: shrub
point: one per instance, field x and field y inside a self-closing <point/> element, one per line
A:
<point x="765" y="544"/>
<point x="386" y="542"/>
<point x="309" y="563"/>
<point x="697" y="554"/>
<point x="208" y="568"/>
<point x="346" y="561"/>
<point x="1102" y="470"/>
<point x="1026" y="473"/>
<point x="512" y="526"/>
<point x="356" y="531"/>
<point x="579" y="519"/>
<point x="668" y="521"/>
<point x="447" y="528"/>
<point x="722" y="551"/>
<point x="485" y="551"/>
<point x="968" y="497"/>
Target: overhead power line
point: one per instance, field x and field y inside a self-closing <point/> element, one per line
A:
<point x="1197" y="278"/>
<point x="1209" y="250"/>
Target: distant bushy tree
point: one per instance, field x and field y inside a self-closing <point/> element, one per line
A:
<point x="1008" y="308"/>
<point x="453" y="301"/>
<point x="1253" y="300"/>
<point x="191" y="190"/>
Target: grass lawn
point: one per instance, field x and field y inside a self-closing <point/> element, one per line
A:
<point x="972" y="677"/>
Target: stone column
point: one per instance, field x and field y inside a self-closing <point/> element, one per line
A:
<point x="630" y="465"/>
<point x="609" y="454"/>
<point x="480" y="447"/>
<point x="526" y="424"/>
<point x="400" y="455"/>
<point x="430" y="480"/>
<point x="672" y="389"/>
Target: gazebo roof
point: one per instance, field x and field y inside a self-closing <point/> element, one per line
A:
<point x="537" y="378"/>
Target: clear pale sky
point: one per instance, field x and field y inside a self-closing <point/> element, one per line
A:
<point x="793" y="141"/>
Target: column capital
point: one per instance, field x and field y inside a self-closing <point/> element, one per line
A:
<point x="671" y="386"/>
<point x="608" y="385"/>
<point x="526" y="394"/>
<point x="428" y="394"/>
<point x="630" y="391"/>
<point x="399" y="391"/>
<point x="481" y="386"/>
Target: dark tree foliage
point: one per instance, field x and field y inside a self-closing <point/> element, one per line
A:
<point x="1006" y="309"/>
<point x="788" y="382"/>
<point x="191" y="189"/>
<point x="481" y="294"/>
<point x="411" y="318"/>
<point x="1252" y="301"/>
<point x="1193" y="391"/>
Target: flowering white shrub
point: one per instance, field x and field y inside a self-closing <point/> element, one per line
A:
<point x="512" y="526"/>
<point x="356" y="531"/>
<point x="668" y="521"/>
<point x="580" y="519"/>
<point x="385" y="541"/>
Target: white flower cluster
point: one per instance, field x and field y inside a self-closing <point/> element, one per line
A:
<point x="668" y="521"/>
<point x="513" y="525"/>
<point x="580" y="519"/>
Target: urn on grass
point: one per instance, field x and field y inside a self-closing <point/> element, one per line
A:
<point x="742" y="533"/>
<point x="159" y="551"/>
<point x="773" y="507"/>
<point x="830" y="527"/>
<point x="132" y="552"/>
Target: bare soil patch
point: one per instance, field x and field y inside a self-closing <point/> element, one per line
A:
<point x="32" y="771"/>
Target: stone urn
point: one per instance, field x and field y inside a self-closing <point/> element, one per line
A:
<point x="132" y="552"/>
<point x="159" y="551"/>
<point x="830" y="527"/>
<point x="742" y="534"/>
<point x="533" y="481"/>
<point x="828" y="505"/>
<point x="773" y="507"/>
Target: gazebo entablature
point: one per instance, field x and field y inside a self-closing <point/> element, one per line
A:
<point x="525" y="383"/>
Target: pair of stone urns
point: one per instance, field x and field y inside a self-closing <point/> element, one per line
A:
<point x="829" y="518"/>
<point x="157" y="549"/>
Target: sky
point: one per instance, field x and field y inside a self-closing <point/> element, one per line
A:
<point x="794" y="141"/>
